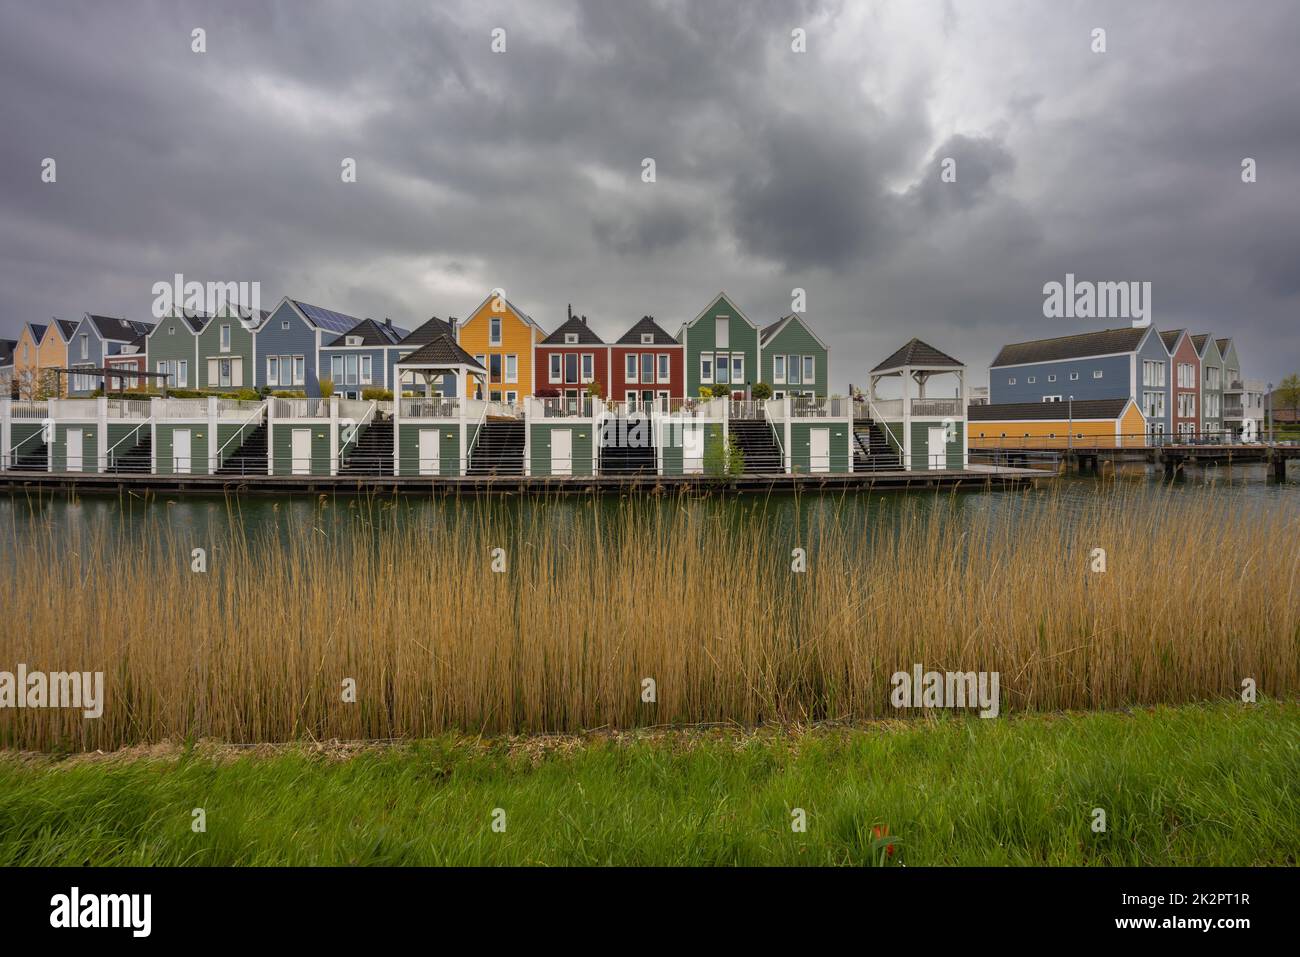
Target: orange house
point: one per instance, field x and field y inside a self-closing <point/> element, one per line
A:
<point x="501" y="338"/>
<point x="42" y="346"/>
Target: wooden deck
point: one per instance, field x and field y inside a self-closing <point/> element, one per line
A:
<point x="89" y="482"/>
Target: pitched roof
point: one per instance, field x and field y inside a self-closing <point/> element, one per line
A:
<point x="1224" y="345"/>
<point x="1048" y="411"/>
<point x="373" y="333"/>
<point x="119" y="330"/>
<point x="1170" y="338"/>
<point x="429" y="330"/>
<point x="917" y="353"/>
<point x="441" y="351"/>
<point x="647" y="325"/>
<point x="576" y="326"/>
<point x="66" y="328"/>
<point x="37" y="330"/>
<point x="771" y="329"/>
<point x="1100" y="343"/>
<point x="327" y="319"/>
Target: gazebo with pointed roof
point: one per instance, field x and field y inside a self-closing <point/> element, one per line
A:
<point x="439" y="357"/>
<point x="914" y="365"/>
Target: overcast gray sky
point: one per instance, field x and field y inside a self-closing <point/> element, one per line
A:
<point x="775" y="169"/>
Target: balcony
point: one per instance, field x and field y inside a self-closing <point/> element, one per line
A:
<point x="937" y="408"/>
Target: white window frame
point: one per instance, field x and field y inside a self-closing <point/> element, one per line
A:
<point x="809" y="370"/>
<point x="511" y="371"/>
<point x="272" y="370"/>
<point x="1030" y="380"/>
<point x="663" y="367"/>
<point x="299" y="370"/>
<point x="555" y="368"/>
<point x="1097" y="373"/>
<point x="647" y="338"/>
<point x="722" y="332"/>
<point x="225" y="338"/>
<point x="1011" y="380"/>
<point x="706" y="368"/>
<point x="778" y="371"/>
<point x="587" y="372"/>
<point x="494" y="330"/>
<point x="570" y="338"/>
<point x="1074" y="377"/>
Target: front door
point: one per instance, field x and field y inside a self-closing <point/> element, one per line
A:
<point x="561" y="451"/>
<point x="428" y="451"/>
<point x="938" y="448"/>
<point x="692" y="449"/>
<point x="819" y="450"/>
<point x="74" y="449"/>
<point x="181" y="451"/>
<point x="300" y="451"/>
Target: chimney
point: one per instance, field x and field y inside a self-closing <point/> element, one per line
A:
<point x="569" y="309"/>
<point x="388" y="323"/>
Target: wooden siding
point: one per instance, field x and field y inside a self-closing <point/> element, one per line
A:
<point x="540" y="447"/>
<point x="795" y="339"/>
<point x="518" y="338"/>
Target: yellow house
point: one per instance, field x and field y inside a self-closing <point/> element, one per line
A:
<point x="42" y="346"/>
<point x="501" y="338"/>
<point x="1088" y="423"/>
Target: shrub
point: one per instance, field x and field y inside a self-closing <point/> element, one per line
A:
<point x="594" y="389"/>
<point x="547" y="393"/>
<point x="761" y="390"/>
<point x="376" y="393"/>
<point x="290" y="394"/>
<point x="721" y="391"/>
<point x="326" y="387"/>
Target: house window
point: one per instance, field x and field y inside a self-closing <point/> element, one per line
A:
<point x="571" y="338"/>
<point x="629" y="372"/>
<point x="183" y="374"/>
<point x="588" y="367"/>
<point x="171" y="330"/>
<point x="512" y="368"/>
<point x="555" y="367"/>
<point x="85" y="346"/>
<point x="299" y="370"/>
<point x="1051" y="398"/>
<point x="1031" y="380"/>
<point x="778" y="369"/>
<point x="647" y="367"/>
<point x="365" y="370"/>
<point x="1051" y="378"/>
<point x="352" y="369"/>
<point x="494" y="331"/>
<point x="1096" y="373"/>
<point x="285" y="324"/>
<point x="272" y="370"/>
<point x="1074" y="376"/>
<point x="706" y="368"/>
<point x="722" y="332"/>
<point x="809" y="370"/>
<point x="223" y="373"/>
<point x="665" y="372"/>
<point x="494" y="369"/>
<point x="225" y="338"/>
<point x="793" y="368"/>
<point x="737" y="368"/>
<point x="722" y="368"/>
<point x="1011" y="381"/>
<point x="571" y="367"/>
<point x="647" y="338"/>
<point x="336" y="369"/>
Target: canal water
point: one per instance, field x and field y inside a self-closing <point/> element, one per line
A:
<point x="264" y="518"/>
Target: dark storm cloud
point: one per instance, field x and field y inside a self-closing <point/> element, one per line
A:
<point x="819" y="170"/>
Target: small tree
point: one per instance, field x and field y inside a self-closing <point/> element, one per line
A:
<point x="1288" y="393"/>
<point x="721" y="459"/>
<point x="594" y="389"/>
<point x="722" y="391"/>
<point x="326" y="387"/>
<point x="761" y="390"/>
<point x="706" y="392"/>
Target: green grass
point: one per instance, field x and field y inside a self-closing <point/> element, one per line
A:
<point x="1210" y="785"/>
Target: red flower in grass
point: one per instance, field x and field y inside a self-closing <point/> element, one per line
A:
<point x="879" y="832"/>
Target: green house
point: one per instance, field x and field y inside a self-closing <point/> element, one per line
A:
<point x="721" y="348"/>
<point x="793" y="360"/>
<point x="225" y="351"/>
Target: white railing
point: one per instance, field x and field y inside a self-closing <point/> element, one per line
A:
<point x="237" y="408"/>
<point x="29" y="409"/>
<point x="384" y="406"/>
<point x="879" y="416"/>
<point x="432" y="408"/>
<point x="835" y="407"/>
<point x="182" y="408"/>
<point x="505" y="410"/>
<point x="301" y="408"/>
<point x="75" y="409"/>
<point x="129" y="409"/>
<point x="355" y="408"/>
<point x="774" y="410"/>
<point x="555" y="407"/>
<point x="746" y="409"/>
<point x="886" y="408"/>
<point x="936" y="407"/>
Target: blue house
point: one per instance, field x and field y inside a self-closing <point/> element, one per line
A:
<point x="360" y="358"/>
<point x="288" y="345"/>
<point x="1106" y="364"/>
<point x="95" y="339"/>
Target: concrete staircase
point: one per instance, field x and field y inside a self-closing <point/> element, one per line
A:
<point x="250" y="458"/>
<point x="872" y="449"/>
<point x="758" y="443"/>
<point x="373" y="452"/>
<point x="137" y="460"/>
<point x="499" y="449"/>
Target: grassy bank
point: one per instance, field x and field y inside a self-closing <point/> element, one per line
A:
<point x="1197" y="595"/>
<point x="1209" y="785"/>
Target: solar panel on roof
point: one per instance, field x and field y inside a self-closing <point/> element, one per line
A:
<point x="328" y="318"/>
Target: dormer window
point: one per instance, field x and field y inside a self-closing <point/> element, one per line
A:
<point x="570" y="338"/>
<point x="647" y="338"/>
<point x="171" y="330"/>
<point x="353" y="340"/>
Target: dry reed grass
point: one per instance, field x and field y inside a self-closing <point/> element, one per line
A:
<point x="1200" y="592"/>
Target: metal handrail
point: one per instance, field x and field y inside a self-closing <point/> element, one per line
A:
<point x="9" y="456"/>
<point x="889" y="435"/>
<point x="111" y="456"/>
<point x="257" y="414"/>
<point x="771" y="423"/>
<point x="478" y="434"/>
<point x="355" y="432"/>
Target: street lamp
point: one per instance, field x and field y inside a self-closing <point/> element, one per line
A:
<point x="1069" y="435"/>
<point x="1268" y="409"/>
